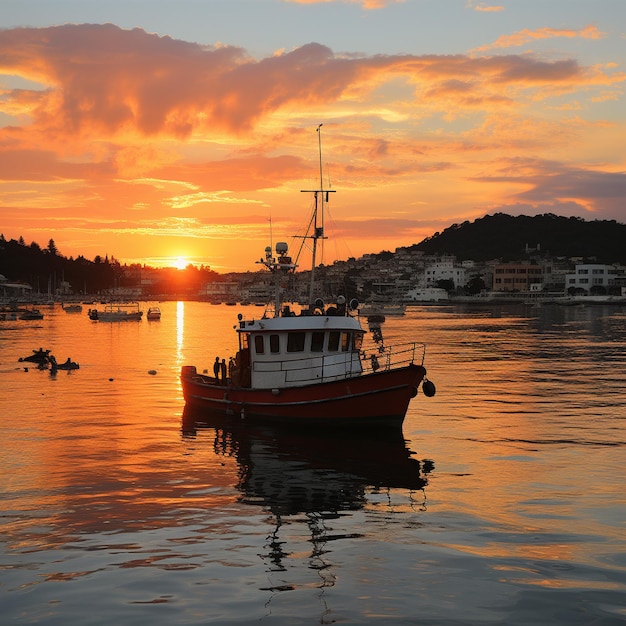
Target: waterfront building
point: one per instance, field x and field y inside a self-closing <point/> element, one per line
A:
<point x="516" y="276"/>
<point x="592" y="278"/>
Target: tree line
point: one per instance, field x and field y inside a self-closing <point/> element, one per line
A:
<point x="45" y="269"/>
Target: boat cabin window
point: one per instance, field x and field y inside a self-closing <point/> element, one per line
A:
<point x="259" y="346"/>
<point x="345" y="341"/>
<point x="244" y="339"/>
<point x="274" y="344"/>
<point x="358" y="341"/>
<point x="317" y="341"/>
<point x="333" y="341"/>
<point x="295" y="342"/>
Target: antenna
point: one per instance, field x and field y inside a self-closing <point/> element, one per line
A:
<point x="318" y="214"/>
<point x="271" y="233"/>
<point x="319" y="141"/>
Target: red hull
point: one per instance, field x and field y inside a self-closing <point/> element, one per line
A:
<point x="379" y="397"/>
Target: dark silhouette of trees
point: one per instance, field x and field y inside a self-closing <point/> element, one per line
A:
<point x="45" y="269"/>
<point x="505" y="237"/>
<point x="475" y="285"/>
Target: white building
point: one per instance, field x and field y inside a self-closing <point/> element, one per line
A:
<point x="589" y="275"/>
<point x="445" y="268"/>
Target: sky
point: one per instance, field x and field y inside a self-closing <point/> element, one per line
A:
<point x="168" y="132"/>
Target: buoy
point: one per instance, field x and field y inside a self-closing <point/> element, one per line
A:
<point x="428" y="387"/>
<point x="152" y="372"/>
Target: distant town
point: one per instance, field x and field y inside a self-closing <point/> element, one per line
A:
<point x="407" y="275"/>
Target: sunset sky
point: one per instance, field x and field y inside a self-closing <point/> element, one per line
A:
<point x="169" y="132"/>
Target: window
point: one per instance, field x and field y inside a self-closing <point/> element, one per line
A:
<point x="274" y="344"/>
<point x="317" y="341"/>
<point x="358" y="340"/>
<point x="333" y="341"/>
<point x="295" y="342"/>
<point x="259" y="347"/>
<point x="345" y="341"/>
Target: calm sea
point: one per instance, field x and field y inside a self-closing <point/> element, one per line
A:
<point x="502" y="502"/>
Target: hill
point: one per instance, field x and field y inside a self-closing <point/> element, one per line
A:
<point x="505" y="237"/>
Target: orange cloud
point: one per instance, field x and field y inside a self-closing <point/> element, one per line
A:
<point x="524" y="36"/>
<point x="125" y="137"/>
<point x="103" y="81"/>
<point x="488" y="9"/>
<point x="366" y="4"/>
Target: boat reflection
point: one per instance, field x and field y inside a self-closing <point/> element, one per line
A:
<point x="289" y="471"/>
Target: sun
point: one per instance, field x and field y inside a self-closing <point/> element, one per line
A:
<point x="180" y="262"/>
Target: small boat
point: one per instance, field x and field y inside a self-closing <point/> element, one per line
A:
<point x="310" y="366"/>
<point x="72" y="308"/>
<point x="122" y="312"/>
<point x="153" y="314"/>
<point x="31" y="314"/>
<point x="426" y="294"/>
<point x="381" y="309"/>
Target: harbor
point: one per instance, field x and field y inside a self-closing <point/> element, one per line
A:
<point x="499" y="501"/>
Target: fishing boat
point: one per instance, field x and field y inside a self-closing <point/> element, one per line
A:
<point x="122" y="312"/>
<point x="309" y="365"/>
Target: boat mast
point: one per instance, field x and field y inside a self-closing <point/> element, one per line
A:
<point x="318" y="214"/>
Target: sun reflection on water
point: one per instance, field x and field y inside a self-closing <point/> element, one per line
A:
<point x="180" y="331"/>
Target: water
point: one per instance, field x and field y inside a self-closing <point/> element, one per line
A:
<point x="503" y="504"/>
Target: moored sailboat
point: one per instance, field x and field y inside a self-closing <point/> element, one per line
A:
<point x="120" y="312"/>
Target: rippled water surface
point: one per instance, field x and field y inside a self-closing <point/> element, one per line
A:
<point x="502" y="502"/>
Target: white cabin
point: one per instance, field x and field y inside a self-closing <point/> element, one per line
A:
<point x="289" y="351"/>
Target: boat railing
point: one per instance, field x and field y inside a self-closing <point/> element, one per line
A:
<point x="392" y="357"/>
<point x="338" y="365"/>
